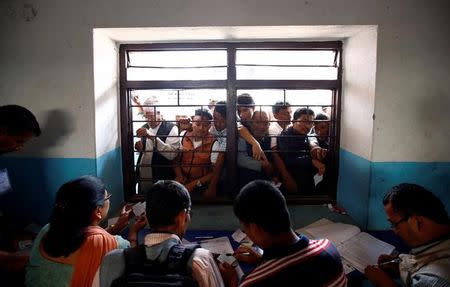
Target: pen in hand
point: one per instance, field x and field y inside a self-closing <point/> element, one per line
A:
<point x="233" y="254"/>
<point x="396" y="260"/>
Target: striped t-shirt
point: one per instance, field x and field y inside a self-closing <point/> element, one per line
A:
<point x="305" y="263"/>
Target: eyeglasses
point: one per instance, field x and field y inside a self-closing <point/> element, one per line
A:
<point x="189" y="211"/>
<point x="108" y="196"/>
<point x="394" y="225"/>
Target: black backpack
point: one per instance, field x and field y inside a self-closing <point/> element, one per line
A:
<point x="140" y="271"/>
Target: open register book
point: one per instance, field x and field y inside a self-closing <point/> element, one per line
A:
<point x="358" y="249"/>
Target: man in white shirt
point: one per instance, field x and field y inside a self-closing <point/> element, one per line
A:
<point x="282" y="112"/>
<point x="169" y="212"/>
<point x="158" y="147"/>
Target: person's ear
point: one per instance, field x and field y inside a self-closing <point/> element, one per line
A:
<point x="418" y="222"/>
<point x="97" y="214"/>
<point x="181" y="218"/>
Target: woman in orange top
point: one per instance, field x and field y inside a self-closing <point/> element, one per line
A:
<point x="68" y="251"/>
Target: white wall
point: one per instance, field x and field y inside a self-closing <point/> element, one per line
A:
<point x="106" y="83"/>
<point x="359" y="66"/>
<point x="47" y="62"/>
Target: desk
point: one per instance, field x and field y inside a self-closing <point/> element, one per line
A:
<point x="192" y="236"/>
<point x="355" y="278"/>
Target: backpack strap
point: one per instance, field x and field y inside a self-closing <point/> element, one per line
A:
<point x="176" y="262"/>
<point x="178" y="257"/>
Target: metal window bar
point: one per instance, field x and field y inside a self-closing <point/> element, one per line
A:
<point x="309" y="84"/>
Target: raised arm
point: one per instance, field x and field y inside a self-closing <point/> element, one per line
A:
<point x="170" y="148"/>
<point x="258" y="153"/>
<point x="286" y="177"/>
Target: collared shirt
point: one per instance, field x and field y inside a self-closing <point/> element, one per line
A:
<point x="274" y="131"/>
<point x="427" y="265"/>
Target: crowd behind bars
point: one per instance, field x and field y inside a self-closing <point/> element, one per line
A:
<point x="289" y="147"/>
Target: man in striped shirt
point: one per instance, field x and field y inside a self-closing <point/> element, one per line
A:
<point x="289" y="259"/>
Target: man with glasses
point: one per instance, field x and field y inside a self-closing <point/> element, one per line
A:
<point x="420" y="219"/>
<point x="169" y="212"/>
<point x="194" y="167"/>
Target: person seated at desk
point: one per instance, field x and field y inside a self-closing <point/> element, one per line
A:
<point x="169" y="214"/>
<point x="420" y="219"/>
<point x="288" y="257"/>
<point x="17" y="126"/>
<point x="68" y="251"/>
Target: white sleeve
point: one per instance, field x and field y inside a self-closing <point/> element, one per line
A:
<point x="215" y="152"/>
<point x="171" y="146"/>
<point x="205" y="270"/>
<point x="313" y="140"/>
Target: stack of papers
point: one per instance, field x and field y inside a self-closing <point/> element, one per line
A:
<point x="358" y="249"/>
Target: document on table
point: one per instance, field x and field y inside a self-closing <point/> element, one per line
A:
<point x="357" y="249"/>
<point x="220" y="245"/>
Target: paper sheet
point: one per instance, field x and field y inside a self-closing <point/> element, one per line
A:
<point x="139" y="208"/>
<point x="220" y="245"/>
<point x="336" y="232"/>
<point x="5" y="184"/>
<point x="317" y="178"/>
<point x="238" y="235"/>
<point x="363" y="250"/>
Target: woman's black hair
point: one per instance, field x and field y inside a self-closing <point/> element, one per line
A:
<point x="72" y="213"/>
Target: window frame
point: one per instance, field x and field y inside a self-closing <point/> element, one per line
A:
<point x="231" y="84"/>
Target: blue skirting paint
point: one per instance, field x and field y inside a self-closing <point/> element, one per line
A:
<point x="363" y="183"/>
<point x="35" y="182"/>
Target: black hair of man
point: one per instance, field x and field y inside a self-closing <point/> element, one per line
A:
<point x="221" y="108"/>
<point x="203" y="113"/>
<point x="321" y="117"/>
<point x="411" y="199"/>
<point x="303" y="111"/>
<point x="165" y="200"/>
<point x="280" y="106"/>
<point x="260" y="202"/>
<point x="17" y="120"/>
<point x="245" y="100"/>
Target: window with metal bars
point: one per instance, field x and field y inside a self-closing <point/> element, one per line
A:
<point x="215" y="116"/>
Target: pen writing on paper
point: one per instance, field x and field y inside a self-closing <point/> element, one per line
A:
<point x="396" y="260"/>
<point x="204" y="237"/>
<point x="233" y="254"/>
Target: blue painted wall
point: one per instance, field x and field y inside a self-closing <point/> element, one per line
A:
<point x="35" y="182"/>
<point x="354" y="185"/>
<point x="363" y="183"/>
<point x="434" y="176"/>
<point x="361" y="187"/>
<point x="109" y="168"/>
